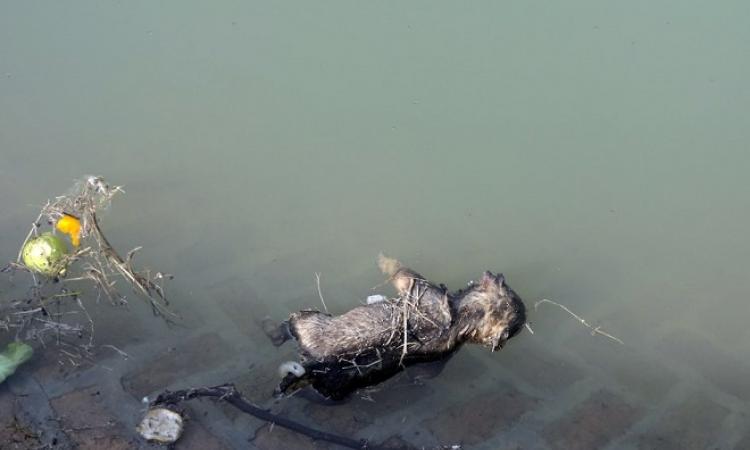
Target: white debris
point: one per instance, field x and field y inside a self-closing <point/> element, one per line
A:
<point x="377" y="298"/>
<point x="292" y="367"/>
<point x="161" y="425"/>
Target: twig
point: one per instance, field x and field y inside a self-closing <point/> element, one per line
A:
<point x="144" y="286"/>
<point x="404" y="349"/>
<point x="30" y="311"/>
<point x="88" y="317"/>
<point x="320" y="294"/>
<point x="122" y="353"/>
<point x="109" y="424"/>
<point x="66" y="294"/>
<point x="359" y="367"/>
<point x="61" y="326"/>
<point x="597" y="330"/>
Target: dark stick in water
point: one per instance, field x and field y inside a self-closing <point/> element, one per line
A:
<point x="230" y="394"/>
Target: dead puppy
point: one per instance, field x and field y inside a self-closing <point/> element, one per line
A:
<point x="339" y="354"/>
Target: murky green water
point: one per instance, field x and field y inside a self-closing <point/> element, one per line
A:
<point x="596" y="153"/>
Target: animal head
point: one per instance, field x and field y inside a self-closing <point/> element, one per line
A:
<point x="491" y="312"/>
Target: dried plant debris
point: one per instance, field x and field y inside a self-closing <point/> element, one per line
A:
<point x="64" y="252"/>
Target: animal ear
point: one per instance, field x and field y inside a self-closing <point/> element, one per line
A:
<point x="490" y="280"/>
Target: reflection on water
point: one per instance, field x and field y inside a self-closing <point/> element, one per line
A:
<point x="594" y="154"/>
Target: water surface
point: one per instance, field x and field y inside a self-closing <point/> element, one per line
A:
<point x="596" y="153"/>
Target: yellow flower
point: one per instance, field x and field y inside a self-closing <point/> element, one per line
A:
<point x="71" y="226"/>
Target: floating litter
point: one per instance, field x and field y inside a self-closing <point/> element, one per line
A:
<point x="377" y="298"/>
<point x="161" y="425"/>
<point x="45" y="254"/>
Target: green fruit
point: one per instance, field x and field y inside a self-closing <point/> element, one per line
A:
<point x="45" y="254"/>
<point x="15" y="354"/>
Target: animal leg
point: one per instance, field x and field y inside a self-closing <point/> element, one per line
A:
<point x="277" y="333"/>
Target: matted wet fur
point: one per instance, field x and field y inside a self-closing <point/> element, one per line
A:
<point x="371" y="343"/>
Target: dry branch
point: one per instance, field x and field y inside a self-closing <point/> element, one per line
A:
<point x="230" y="394"/>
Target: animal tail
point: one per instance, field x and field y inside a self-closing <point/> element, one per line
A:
<point x="388" y="266"/>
